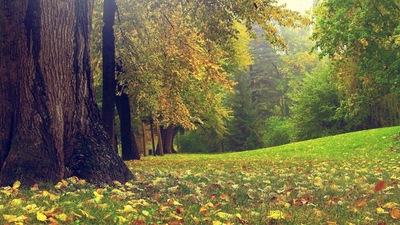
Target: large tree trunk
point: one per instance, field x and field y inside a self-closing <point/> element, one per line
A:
<point x="109" y="84"/>
<point x="50" y="126"/>
<point x="130" y="150"/>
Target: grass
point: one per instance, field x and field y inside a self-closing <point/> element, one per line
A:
<point x="346" y="179"/>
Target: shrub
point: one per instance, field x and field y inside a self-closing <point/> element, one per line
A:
<point x="277" y="131"/>
<point x="191" y="142"/>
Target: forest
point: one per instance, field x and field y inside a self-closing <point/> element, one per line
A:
<point x="295" y="78"/>
<point x="199" y="112"/>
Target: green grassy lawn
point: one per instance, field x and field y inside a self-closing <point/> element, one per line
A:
<point x="346" y="179"/>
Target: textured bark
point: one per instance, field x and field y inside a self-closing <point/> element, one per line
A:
<point x="167" y="135"/>
<point x="50" y="123"/>
<point x="109" y="84"/>
<point x="130" y="150"/>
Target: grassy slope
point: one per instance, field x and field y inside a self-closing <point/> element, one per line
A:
<point x="331" y="179"/>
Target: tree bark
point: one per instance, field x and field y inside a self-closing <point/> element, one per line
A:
<point x="144" y="139"/>
<point x="109" y="84"/>
<point x="160" y="146"/>
<point x="167" y="141"/>
<point x="130" y="150"/>
<point x="153" y="149"/>
<point x="50" y="125"/>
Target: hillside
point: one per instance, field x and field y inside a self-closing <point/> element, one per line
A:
<point x="346" y="179"/>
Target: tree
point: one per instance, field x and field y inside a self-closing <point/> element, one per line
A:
<point x="112" y="97"/>
<point x="361" y="40"/>
<point x="108" y="56"/>
<point x="50" y="123"/>
<point x="313" y="113"/>
<point x="182" y="54"/>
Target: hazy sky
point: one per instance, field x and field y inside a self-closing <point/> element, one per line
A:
<point x="298" y="5"/>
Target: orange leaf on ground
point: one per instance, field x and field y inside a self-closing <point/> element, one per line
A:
<point x="395" y="213"/>
<point x="361" y="203"/>
<point x="380" y="186"/>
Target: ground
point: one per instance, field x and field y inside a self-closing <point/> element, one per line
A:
<point x="345" y="179"/>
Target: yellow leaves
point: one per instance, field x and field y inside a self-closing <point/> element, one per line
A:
<point x="16" y="185"/>
<point x="276" y="214"/>
<point x="225" y="216"/>
<point x="52" y="197"/>
<point x="394" y="211"/>
<point x="173" y="189"/>
<point x="41" y="217"/>
<point x="173" y="202"/>
<point x="318" y="181"/>
<point x="390" y="205"/>
<point x="145" y="212"/>
<point x="203" y="210"/>
<point x="14" y="219"/>
<point x="128" y="209"/>
<point x="85" y="213"/>
<point x="364" y="42"/>
<point x="16" y="202"/>
<point x="62" y="184"/>
<point x="62" y="217"/>
<point x="380" y="210"/>
<point x="97" y="196"/>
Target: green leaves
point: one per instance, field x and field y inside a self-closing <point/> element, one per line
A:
<point x="360" y="39"/>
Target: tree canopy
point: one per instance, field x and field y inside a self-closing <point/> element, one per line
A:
<point x="178" y="56"/>
<point x="362" y="40"/>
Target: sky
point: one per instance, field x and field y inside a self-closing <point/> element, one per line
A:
<point x="298" y="5"/>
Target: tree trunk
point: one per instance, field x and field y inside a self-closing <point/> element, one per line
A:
<point x="130" y="150"/>
<point x="153" y="149"/>
<point x="160" y="146"/>
<point x="50" y="125"/>
<point x="144" y="139"/>
<point x="108" y="52"/>
<point x="168" y="139"/>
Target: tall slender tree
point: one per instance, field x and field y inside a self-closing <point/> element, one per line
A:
<point x="50" y="123"/>
<point x="108" y="53"/>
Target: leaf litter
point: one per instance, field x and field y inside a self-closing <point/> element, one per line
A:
<point x="255" y="187"/>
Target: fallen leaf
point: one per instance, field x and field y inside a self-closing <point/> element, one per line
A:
<point x="203" y="210"/>
<point x="225" y="216"/>
<point x="224" y="197"/>
<point x="217" y="222"/>
<point x="41" y="217"/>
<point x="14" y="218"/>
<point x="380" y="186"/>
<point x="276" y="214"/>
<point x="390" y="205"/>
<point x="361" y="204"/>
<point x="35" y="187"/>
<point x="16" y="202"/>
<point x="86" y="214"/>
<point x="16" y="185"/>
<point x="63" y="217"/>
<point x="138" y="222"/>
<point x="395" y="214"/>
<point x="379" y="210"/>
